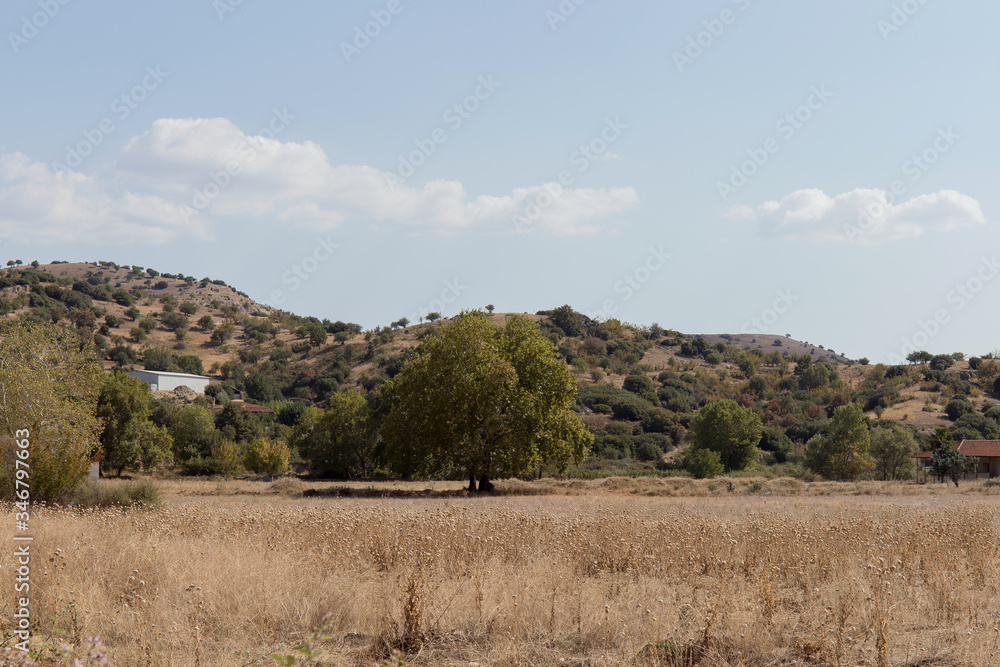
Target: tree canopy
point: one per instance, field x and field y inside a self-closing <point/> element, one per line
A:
<point x="49" y="384"/>
<point x="947" y="461"/>
<point x="484" y="400"/>
<point x="342" y="441"/>
<point x="892" y="448"/>
<point x="842" y="451"/>
<point x="123" y="408"/>
<point x="730" y="430"/>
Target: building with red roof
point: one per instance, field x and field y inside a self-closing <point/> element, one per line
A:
<point x="987" y="451"/>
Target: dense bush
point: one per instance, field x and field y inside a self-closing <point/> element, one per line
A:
<point x="957" y="407"/>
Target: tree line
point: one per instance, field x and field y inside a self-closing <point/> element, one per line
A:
<point x="476" y="400"/>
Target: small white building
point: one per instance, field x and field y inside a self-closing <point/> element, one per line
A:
<point x="164" y="381"/>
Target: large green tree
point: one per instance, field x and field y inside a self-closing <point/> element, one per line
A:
<point x="193" y="431"/>
<point x="484" y="400"/>
<point x="730" y="430"/>
<point x="156" y="447"/>
<point x="892" y="447"/>
<point x="343" y="442"/>
<point x="122" y="407"/>
<point x="947" y="461"/>
<point x="49" y="384"/>
<point x="238" y="424"/>
<point x="842" y="451"/>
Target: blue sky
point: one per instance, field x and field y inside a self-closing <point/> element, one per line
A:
<point x="819" y="169"/>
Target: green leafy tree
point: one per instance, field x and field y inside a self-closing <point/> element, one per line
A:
<point x="189" y="363"/>
<point x="290" y="413"/>
<point x="237" y="424"/>
<point x="156" y="447"/>
<point x="268" y="457"/>
<point x="159" y="359"/>
<point x="947" y="461"/>
<point x="703" y="463"/>
<point x="315" y="332"/>
<point x="206" y="323"/>
<point x="122" y="407"/>
<point x="486" y="401"/>
<point x="777" y="444"/>
<point x="223" y="333"/>
<point x="132" y="313"/>
<point x="194" y="434"/>
<point x="957" y="407"/>
<point x="640" y="384"/>
<point x="892" y="448"/>
<point x="730" y="430"/>
<point x="344" y="441"/>
<point x="942" y="436"/>
<point x="568" y="320"/>
<point x="49" y="384"/>
<point x="261" y="388"/>
<point x="819" y="374"/>
<point x="227" y="459"/>
<point x="942" y="362"/>
<point x="842" y="451"/>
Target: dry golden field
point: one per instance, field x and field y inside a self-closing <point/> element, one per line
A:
<point x="613" y="572"/>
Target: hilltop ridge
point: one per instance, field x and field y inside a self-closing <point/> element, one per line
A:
<point x="639" y="387"/>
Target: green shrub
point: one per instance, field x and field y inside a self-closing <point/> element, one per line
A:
<point x="957" y="407"/>
<point x="91" y="493"/>
<point x="267" y="457"/>
<point x="703" y="463"/>
<point x="650" y="446"/>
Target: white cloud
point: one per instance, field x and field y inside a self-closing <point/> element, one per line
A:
<point x="298" y="180"/>
<point x="862" y="216"/>
<point x="185" y="175"/>
<point x="39" y="204"/>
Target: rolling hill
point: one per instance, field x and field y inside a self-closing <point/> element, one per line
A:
<point x="139" y="317"/>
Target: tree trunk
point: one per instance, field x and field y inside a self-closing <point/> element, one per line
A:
<point x="485" y="485"/>
<point x="472" y="483"/>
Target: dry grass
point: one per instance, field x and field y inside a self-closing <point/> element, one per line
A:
<point x="595" y="579"/>
<point x="632" y="486"/>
